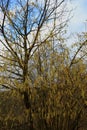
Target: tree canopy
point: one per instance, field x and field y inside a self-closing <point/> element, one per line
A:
<point x="43" y="82"/>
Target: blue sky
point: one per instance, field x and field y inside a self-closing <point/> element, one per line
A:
<point x="78" y="22"/>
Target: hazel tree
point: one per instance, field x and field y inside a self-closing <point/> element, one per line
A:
<point x="25" y="26"/>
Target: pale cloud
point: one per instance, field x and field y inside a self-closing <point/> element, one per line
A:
<point x="77" y="23"/>
<point x="1" y="16"/>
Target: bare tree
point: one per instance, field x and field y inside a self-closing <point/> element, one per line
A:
<point x="24" y="27"/>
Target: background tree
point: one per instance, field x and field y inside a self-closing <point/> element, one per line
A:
<point x="58" y="94"/>
<point x="37" y="65"/>
<point x="26" y="26"/>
